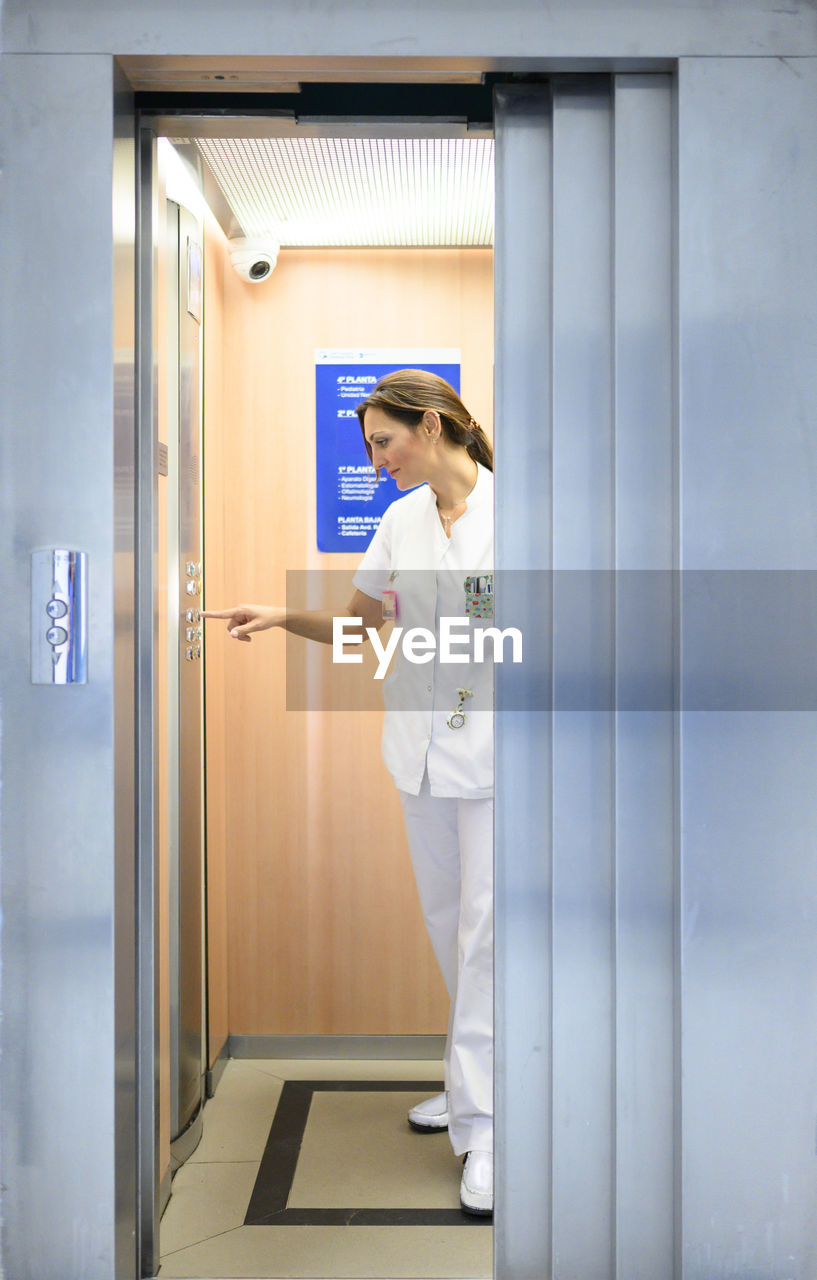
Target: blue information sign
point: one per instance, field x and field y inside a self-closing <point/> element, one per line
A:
<point x="351" y="501"/>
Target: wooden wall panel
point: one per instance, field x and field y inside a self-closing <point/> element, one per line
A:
<point x="325" y="934"/>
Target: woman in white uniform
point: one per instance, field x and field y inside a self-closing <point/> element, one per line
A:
<point x="431" y="559"/>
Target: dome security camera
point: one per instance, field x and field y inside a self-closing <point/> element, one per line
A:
<point x="254" y="257"/>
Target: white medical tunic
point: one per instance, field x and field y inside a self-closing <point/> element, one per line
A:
<point x="428" y="573"/>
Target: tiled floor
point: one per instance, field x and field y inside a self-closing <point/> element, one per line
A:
<point x="358" y="1163"/>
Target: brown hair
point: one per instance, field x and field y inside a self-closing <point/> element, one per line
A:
<point x="406" y="394"/>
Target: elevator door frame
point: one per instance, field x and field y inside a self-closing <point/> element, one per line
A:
<point x="749" y="86"/>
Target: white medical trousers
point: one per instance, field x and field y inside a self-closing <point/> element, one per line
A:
<point x="451" y="843"/>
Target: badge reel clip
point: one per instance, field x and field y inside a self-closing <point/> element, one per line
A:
<point x="390" y="608"/>
<point x="456" y="718"/>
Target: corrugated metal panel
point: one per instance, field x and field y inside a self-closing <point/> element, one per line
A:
<point x="358" y="191"/>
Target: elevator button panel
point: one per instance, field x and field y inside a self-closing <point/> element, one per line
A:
<point x="59" y="654"/>
<point x="192" y="616"/>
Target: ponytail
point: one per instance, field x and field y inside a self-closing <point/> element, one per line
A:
<point x="407" y="394"/>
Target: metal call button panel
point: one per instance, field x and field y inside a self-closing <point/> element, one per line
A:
<point x="59" y="617"/>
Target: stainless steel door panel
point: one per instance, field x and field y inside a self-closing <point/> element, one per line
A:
<point x="187" y="1026"/>
<point x="583" y="760"/>
<point x="586" y="791"/>
<point x="523" y="745"/>
<point x="171" y="303"/>
<point x="147" y="624"/>
<point x="646" y="1067"/>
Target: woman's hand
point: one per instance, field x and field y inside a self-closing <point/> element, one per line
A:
<point x="245" y="618"/>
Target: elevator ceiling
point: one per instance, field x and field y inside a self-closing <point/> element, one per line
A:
<point x="352" y="191"/>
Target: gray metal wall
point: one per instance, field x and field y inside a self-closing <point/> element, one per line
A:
<point x="744" y="1008"/>
<point x="747" y="397"/>
<point x="67" y="791"/>
<point x="451" y="29"/>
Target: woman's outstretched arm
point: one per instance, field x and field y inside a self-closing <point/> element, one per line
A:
<point x="313" y="624"/>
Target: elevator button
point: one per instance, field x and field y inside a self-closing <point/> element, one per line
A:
<point x="56" y="608"/>
<point x="189" y="655"/>
<point x="56" y="635"/>
<point x="190" y="616"/>
<point x="190" y="634"/>
<point x="197" y="651"/>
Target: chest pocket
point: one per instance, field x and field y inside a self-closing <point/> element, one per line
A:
<point x="479" y="595"/>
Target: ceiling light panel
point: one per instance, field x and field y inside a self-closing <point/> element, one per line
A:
<point x="310" y="192"/>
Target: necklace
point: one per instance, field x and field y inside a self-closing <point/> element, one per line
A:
<point x="448" y="516"/>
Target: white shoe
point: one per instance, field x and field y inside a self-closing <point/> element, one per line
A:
<point x="430" y="1116"/>
<point x="477" y="1186"/>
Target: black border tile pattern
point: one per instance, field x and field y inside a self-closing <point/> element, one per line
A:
<point x="268" y="1202"/>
